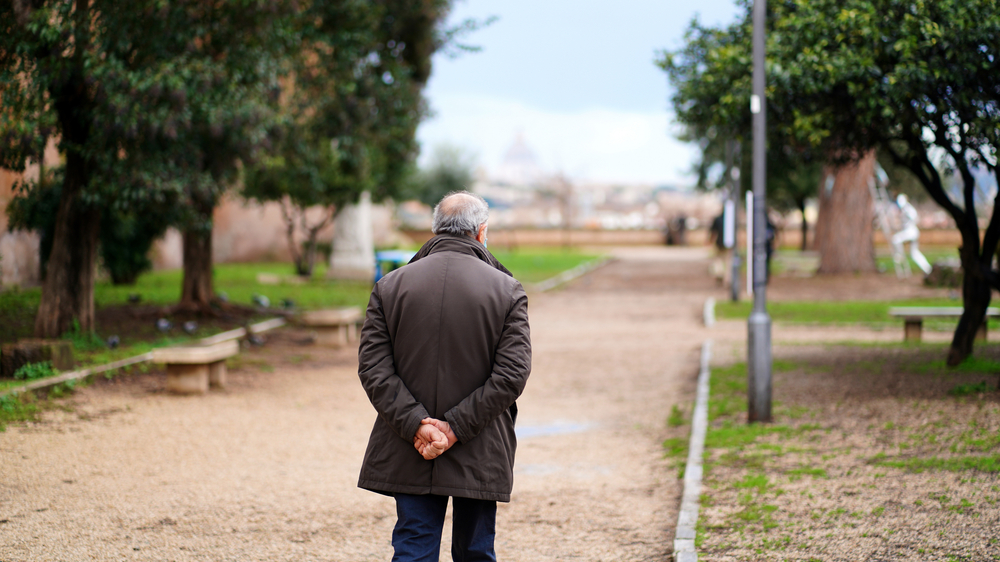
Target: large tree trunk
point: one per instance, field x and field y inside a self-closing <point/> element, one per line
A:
<point x="844" y="227"/>
<point x="197" y="292"/>
<point x="68" y="289"/>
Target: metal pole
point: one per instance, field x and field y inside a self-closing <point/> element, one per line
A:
<point x="749" y="213"/>
<point x="759" y="322"/>
<point x="733" y="204"/>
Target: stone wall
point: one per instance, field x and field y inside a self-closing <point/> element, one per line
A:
<point x="18" y="250"/>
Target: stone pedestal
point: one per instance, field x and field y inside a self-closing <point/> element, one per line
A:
<point x="13" y="356"/>
<point x="353" y="255"/>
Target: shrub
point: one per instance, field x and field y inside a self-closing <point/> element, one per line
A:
<point x="32" y="371"/>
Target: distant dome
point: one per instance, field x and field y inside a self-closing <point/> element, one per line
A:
<point x="519" y="154"/>
<point x="520" y="164"/>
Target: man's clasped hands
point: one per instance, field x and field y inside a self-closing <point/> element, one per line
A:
<point x="433" y="438"/>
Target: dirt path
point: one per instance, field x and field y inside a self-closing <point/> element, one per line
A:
<point x="266" y="470"/>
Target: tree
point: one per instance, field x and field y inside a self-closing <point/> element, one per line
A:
<point x="126" y="89"/>
<point x="711" y="78"/>
<point x="125" y="239"/>
<point x="844" y="229"/>
<point x="352" y="104"/>
<point x="919" y="80"/>
<point x="297" y="178"/>
<point x="450" y="169"/>
<point x="914" y="79"/>
<point x="792" y="175"/>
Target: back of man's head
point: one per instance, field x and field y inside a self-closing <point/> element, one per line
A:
<point x="460" y="213"/>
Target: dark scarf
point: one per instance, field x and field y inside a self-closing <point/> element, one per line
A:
<point x="461" y="244"/>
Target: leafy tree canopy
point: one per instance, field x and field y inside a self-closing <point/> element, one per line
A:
<point x="918" y="79"/>
<point x="450" y="169"/>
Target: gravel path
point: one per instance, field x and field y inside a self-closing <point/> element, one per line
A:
<point x="266" y="470"/>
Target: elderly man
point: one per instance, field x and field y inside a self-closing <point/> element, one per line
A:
<point x="445" y="351"/>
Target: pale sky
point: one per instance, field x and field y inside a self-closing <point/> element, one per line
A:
<point x="576" y="78"/>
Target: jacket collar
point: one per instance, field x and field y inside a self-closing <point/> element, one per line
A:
<point x="460" y="244"/>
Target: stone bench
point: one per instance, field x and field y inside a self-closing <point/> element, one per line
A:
<point x="913" y="318"/>
<point x="192" y="369"/>
<point x="335" y="327"/>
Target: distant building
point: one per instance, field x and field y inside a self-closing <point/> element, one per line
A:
<point x="519" y="166"/>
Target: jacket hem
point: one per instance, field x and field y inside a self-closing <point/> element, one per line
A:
<point x="388" y="489"/>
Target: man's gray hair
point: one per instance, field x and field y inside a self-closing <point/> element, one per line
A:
<point x="460" y="213"/>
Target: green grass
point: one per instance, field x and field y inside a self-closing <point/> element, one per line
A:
<point x="968" y="389"/>
<point x="884" y="261"/>
<point x="533" y="265"/>
<point x="676" y="417"/>
<point x="951" y="464"/>
<point x="16" y="409"/>
<point x="239" y="282"/>
<point x="845" y="312"/>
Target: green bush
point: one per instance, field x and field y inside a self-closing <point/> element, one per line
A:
<point x="125" y="242"/>
<point x="126" y="234"/>
<point x="32" y="371"/>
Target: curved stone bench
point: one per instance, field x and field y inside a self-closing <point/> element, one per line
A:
<point x="191" y="369"/>
<point x="335" y="327"/>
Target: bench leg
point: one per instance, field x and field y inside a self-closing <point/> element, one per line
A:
<point x="217" y="374"/>
<point x="912" y="328"/>
<point x="187" y="379"/>
<point x="981" y="334"/>
<point x="334" y="336"/>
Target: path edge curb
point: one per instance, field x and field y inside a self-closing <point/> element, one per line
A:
<point x="148" y="356"/>
<point x="687" y="517"/>
<point x="569" y="275"/>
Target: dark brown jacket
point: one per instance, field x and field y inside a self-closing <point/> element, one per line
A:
<point x="446" y="337"/>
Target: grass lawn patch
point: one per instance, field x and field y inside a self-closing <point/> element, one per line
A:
<point x="842" y="312"/>
<point x="872" y="455"/>
<point x="533" y="265"/>
<point x="134" y="323"/>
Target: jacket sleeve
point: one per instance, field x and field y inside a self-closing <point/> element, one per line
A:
<point x="377" y="371"/>
<point x="511" y="367"/>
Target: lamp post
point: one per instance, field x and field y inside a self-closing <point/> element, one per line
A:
<point x="759" y="322"/>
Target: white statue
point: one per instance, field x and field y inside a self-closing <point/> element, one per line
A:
<point x="909" y="233"/>
<point x="353" y="255"/>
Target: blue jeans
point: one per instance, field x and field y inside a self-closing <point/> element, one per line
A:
<point x="420" y="520"/>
